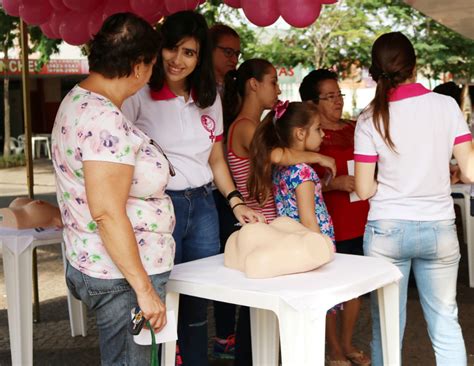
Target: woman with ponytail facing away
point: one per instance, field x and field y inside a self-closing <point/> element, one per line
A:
<point x="409" y="134"/>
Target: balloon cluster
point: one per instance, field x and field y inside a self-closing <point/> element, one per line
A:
<point x="298" y="13"/>
<point x="76" y="21"/>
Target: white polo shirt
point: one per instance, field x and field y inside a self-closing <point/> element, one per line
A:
<point x="414" y="181"/>
<point x="185" y="132"/>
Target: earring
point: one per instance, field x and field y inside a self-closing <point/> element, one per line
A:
<point x="137" y="75"/>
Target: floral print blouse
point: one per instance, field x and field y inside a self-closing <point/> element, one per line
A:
<point x="285" y="181"/>
<point x="89" y="127"/>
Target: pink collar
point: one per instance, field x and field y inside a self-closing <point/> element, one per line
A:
<point x="405" y="91"/>
<point x="165" y="93"/>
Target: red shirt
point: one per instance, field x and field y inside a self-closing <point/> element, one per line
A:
<point x="349" y="218"/>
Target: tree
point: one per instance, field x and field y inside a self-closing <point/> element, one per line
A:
<point x="9" y="34"/>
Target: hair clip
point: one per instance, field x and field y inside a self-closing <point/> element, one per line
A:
<point x="279" y="108"/>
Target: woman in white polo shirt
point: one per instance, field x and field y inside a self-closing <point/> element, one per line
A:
<point x="409" y="134"/>
<point x="181" y="111"/>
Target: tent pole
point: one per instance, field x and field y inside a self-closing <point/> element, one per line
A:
<point x="25" y="77"/>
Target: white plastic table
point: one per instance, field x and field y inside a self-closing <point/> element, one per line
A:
<point x="464" y="203"/>
<point x="18" y="248"/>
<point x="299" y="302"/>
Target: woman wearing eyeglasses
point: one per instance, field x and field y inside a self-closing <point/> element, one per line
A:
<point x="349" y="218"/>
<point x="181" y="110"/>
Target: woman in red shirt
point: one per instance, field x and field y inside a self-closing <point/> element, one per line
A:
<point x="349" y="218"/>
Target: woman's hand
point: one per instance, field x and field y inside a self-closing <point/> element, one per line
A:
<point x="246" y="215"/>
<point x="153" y="309"/>
<point x="344" y="183"/>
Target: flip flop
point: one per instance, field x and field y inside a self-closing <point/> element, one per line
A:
<point x="359" y="358"/>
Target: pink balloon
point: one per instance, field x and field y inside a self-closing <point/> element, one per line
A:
<point x="73" y="28"/>
<point x="35" y="13"/>
<point x="233" y="3"/>
<point x="96" y="19"/>
<point x="82" y="6"/>
<point x="58" y="5"/>
<point x="154" y="18"/>
<point x="299" y="13"/>
<point x="116" y="6"/>
<point x="261" y="12"/>
<point x="48" y="32"/>
<point x="173" y="6"/>
<point x="144" y="8"/>
<point x="11" y="7"/>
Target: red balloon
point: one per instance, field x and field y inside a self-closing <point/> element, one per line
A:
<point x="56" y="19"/>
<point x="116" y="6"/>
<point x="73" y="28"/>
<point x="96" y="19"/>
<point x="233" y="3"/>
<point x="261" y="12"/>
<point x="35" y="13"/>
<point x="154" y="18"/>
<point x="82" y="6"/>
<point x="299" y="13"/>
<point x="173" y="6"/>
<point x="11" y="7"/>
<point x="48" y="32"/>
<point x="58" y="5"/>
<point x="144" y="8"/>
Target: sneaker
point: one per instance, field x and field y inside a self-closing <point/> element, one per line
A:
<point x="225" y="349"/>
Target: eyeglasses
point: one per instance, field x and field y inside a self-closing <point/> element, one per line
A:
<point x="230" y="52"/>
<point x="172" y="171"/>
<point x="332" y="97"/>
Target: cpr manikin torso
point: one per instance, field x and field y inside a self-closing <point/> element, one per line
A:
<point x="25" y="213"/>
<point x="283" y="247"/>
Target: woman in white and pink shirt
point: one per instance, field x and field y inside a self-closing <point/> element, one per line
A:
<point x="409" y="134"/>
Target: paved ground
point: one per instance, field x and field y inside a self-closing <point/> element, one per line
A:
<point x="53" y="344"/>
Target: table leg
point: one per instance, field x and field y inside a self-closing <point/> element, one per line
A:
<point x="36" y="307"/>
<point x="18" y="271"/>
<point x="265" y="337"/>
<point x="168" y="352"/>
<point x="302" y="336"/>
<point x="388" y="297"/>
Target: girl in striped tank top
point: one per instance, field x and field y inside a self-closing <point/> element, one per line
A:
<point x="249" y="91"/>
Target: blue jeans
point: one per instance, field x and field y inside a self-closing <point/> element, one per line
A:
<point x="112" y="301"/>
<point x="432" y="249"/>
<point x="197" y="236"/>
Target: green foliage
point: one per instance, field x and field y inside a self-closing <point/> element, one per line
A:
<point x="43" y="45"/>
<point x="12" y="161"/>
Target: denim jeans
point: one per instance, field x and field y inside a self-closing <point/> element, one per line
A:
<point x="197" y="236"/>
<point x="112" y="301"/>
<point x="431" y="248"/>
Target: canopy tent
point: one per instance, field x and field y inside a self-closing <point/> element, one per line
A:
<point x="457" y="14"/>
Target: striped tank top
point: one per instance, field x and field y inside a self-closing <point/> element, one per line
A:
<point x="239" y="168"/>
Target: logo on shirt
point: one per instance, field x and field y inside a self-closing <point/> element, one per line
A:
<point x="209" y="125"/>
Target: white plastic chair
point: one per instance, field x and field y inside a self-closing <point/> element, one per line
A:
<point x="16" y="146"/>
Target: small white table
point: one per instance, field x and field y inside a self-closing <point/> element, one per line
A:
<point x="37" y="141"/>
<point x="464" y="202"/>
<point x="18" y="248"/>
<point x="299" y="301"/>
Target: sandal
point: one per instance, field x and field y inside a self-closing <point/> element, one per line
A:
<point x="330" y="362"/>
<point x="359" y="358"/>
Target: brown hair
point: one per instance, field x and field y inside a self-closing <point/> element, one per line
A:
<point x="269" y="135"/>
<point x="393" y="62"/>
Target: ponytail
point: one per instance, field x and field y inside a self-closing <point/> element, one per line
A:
<point x="393" y="63"/>
<point x="265" y="139"/>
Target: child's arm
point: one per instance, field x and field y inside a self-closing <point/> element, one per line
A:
<point x="306" y="208"/>
<point x="287" y="156"/>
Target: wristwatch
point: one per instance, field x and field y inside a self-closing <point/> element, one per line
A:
<point x="233" y="194"/>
